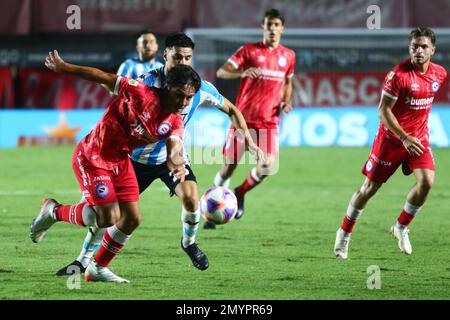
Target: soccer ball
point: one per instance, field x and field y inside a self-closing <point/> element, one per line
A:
<point x="218" y="205"/>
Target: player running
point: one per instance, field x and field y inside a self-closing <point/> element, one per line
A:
<point x="266" y="69"/>
<point x="147" y="49"/>
<point x="149" y="161"/>
<point x="402" y="139"/>
<point x="137" y="116"/>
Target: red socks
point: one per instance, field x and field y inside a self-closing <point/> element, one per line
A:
<point x="113" y="241"/>
<point x="250" y="182"/>
<point x="71" y="213"/>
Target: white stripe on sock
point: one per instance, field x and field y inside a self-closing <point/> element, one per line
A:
<point x="411" y="209"/>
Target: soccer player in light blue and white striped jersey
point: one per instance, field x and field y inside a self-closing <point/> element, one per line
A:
<point x="147" y="49"/>
<point x="150" y="162"/>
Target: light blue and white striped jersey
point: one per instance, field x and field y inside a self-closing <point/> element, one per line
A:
<point x="156" y="153"/>
<point x="133" y="68"/>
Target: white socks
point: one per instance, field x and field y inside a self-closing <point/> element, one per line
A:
<point x="220" y="182"/>
<point x="90" y="245"/>
<point x="190" y="221"/>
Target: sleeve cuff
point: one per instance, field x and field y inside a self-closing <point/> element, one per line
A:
<point x="117" y="85"/>
<point x="234" y="64"/>
<point x="389" y="95"/>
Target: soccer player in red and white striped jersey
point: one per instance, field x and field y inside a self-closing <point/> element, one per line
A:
<point x="402" y="139"/>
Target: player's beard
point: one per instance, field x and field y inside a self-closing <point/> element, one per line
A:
<point x="148" y="56"/>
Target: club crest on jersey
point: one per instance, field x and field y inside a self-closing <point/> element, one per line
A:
<point x="102" y="190"/>
<point x="133" y="82"/>
<point x="282" y="61"/>
<point x="369" y="165"/>
<point x="435" y="86"/>
<point x="164" y="128"/>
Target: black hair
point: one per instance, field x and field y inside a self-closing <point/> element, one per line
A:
<point x="179" y="39"/>
<point x="140" y="34"/>
<point x="423" y="32"/>
<point x="182" y="75"/>
<point x="274" y="13"/>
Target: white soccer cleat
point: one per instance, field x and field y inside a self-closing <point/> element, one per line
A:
<point x="403" y="238"/>
<point x="44" y="220"/>
<point x="341" y="244"/>
<point x="94" y="272"/>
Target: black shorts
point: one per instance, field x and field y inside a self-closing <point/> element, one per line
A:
<point x="146" y="174"/>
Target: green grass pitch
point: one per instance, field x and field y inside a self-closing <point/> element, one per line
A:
<point x="281" y="249"/>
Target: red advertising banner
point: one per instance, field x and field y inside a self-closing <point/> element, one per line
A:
<point x="15" y="16"/>
<point x="301" y="14"/>
<point x="6" y="88"/>
<point x="345" y="89"/>
<point x="47" y="90"/>
<point x="164" y="16"/>
<point x="113" y="15"/>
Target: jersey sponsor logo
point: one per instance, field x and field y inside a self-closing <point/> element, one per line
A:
<point x="415" y="87"/>
<point x="164" y="128"/>
<point x="435" y="86"/>
<point x="133" y="82"/>
<point x="418" y="104"/>
<point x="102" y="190"/>
<point x="272" y="74"/>
<point x="282" y="62"/>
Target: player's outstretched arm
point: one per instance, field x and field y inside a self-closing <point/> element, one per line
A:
<point x="54" y="62"/>
<point x="239" y="123"/>
<point x="175" y="160"/>
<point x="387" y="117"/>
<point x="228" y="71"/>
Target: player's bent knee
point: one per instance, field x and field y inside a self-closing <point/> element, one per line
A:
<point x="426" y="183"/>
<point x="190" y="203"/>
<point x="369" y="189"/>
<point x="134" y="221"/>
<point x="107" y="216"/>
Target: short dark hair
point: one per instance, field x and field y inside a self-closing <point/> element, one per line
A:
<point x="179" y="39"/>
<point x="140" y="34"/>
<point x="182" y="75"/>
<point x="273" y="13"/>
<point x="423" y="32"/>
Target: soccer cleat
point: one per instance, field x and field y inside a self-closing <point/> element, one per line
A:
<point x="403" y="238"/>
<point x="209" y="225"/>
<point x="341" y="244"/>
<point x="94" y="272"/>
<point x="406" y="169"/>
<point x="70" y="269"/>
<point x="199" y="259"/>
<point x="240" y="202"/>
<point x="44" y="220"/>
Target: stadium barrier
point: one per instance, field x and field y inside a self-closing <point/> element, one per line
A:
<point x="312" y="127"/>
